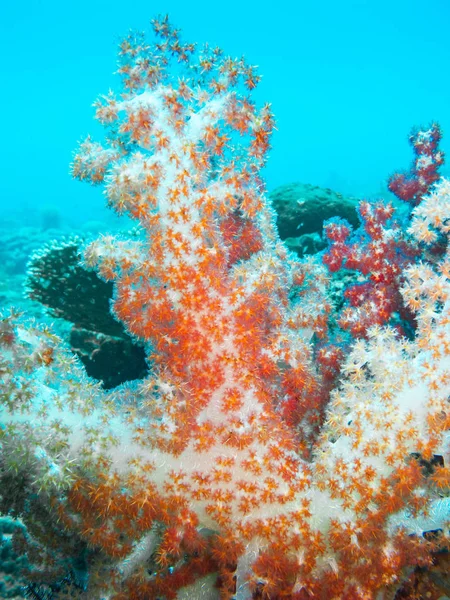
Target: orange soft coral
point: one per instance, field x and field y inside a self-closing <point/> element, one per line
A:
<point x="224" y="473"/>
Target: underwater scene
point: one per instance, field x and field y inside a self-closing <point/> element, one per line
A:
<point x="225" y="301"/>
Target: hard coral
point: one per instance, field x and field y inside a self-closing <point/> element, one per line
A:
<point x="57" y="280"/>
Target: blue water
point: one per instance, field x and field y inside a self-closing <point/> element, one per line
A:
<point x="346" y="79"/>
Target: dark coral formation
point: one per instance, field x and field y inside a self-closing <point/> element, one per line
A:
<point x="301" y="211"/>
<point x="58" y="280"/>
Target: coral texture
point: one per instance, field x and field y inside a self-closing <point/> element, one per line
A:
<point x="255" y="461"/>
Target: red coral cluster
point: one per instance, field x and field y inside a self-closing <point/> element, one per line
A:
<point x="381" y="249"/>
<point x="412" y="187"/>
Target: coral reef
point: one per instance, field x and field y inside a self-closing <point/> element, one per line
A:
<point x="265" y="456"/>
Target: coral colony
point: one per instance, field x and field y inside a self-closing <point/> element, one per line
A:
<point x="280" y="447"/>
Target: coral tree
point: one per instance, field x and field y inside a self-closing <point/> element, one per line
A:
<point x="221" y="475"/>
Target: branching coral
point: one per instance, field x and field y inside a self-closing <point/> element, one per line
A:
<point x="227" y="473"/>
